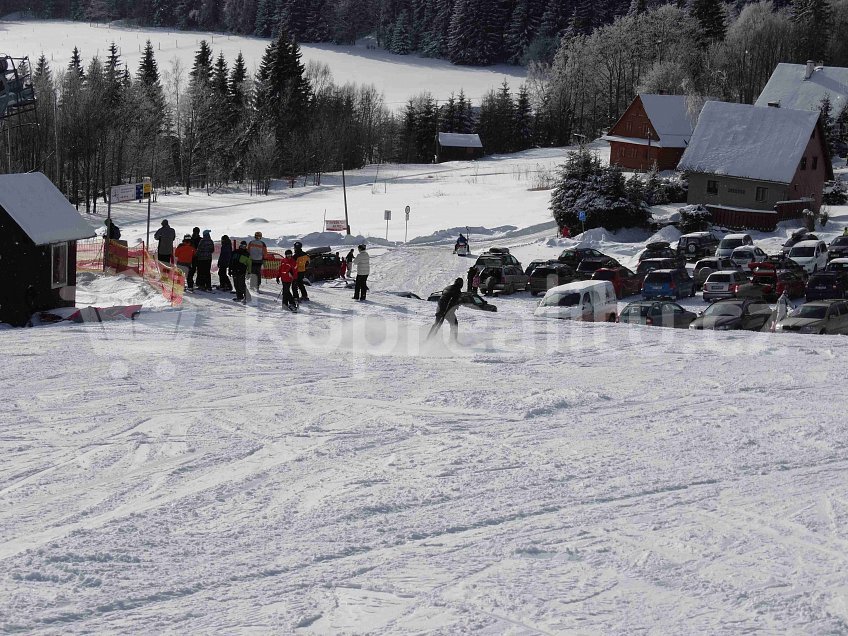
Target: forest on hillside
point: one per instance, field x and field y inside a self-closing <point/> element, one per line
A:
<point x="215" y="124"/>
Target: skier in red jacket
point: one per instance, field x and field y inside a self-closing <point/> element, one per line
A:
<point x="287" y="275"/>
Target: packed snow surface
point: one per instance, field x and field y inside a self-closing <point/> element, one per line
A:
<point x="398" y="77"/>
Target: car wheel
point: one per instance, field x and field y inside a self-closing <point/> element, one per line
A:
<point x="533" y="293"/>
<point x="611" y="318"/>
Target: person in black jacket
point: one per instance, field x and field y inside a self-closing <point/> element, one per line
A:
<point x="203" y="261"/>
<point x="224" y="263"/>
<point x="195" y="241"/>
<point x="239" y="264"/>
<point x="112" y="230"/>
<point x="446" y="310"/>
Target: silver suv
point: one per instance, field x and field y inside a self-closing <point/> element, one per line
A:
<point x="723" y="284"/>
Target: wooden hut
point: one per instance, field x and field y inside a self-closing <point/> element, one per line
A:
<point x="458" y="147"/>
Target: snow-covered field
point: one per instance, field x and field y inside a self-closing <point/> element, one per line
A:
<point x="226" y="469"/>
<point x="398" y="77"/>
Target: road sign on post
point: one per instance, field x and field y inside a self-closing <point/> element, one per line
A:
<point x="406" y="229"/>
<point x="335" y="225"/>
<point x="388" y="216"/>
<point x="581" y="215"/>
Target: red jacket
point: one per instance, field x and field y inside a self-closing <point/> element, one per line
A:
<point x="184" y="253"/>
<point x="288" y="270"/>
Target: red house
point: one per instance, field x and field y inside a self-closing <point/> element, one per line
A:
<point x="654" y="130"/>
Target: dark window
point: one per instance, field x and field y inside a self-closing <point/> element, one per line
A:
<point x="803" y="163"/>
<point x="736" y="190"/>
<point x="761" y="194"/>
<point x="815" y="163"/>
<point x="59" y="258"/>
<point x="712" y="187"/>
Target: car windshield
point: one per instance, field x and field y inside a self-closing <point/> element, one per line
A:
<point x="604" y="275"/>
<point x="836" y="267"/>
<point x="658" y="277"/>
<point x="840" y="240"/>
<point x="488" y="261"/>
<point x="803" y="251"/>
<point x="702" y="264"/>
<point x="724" y="309"/>
<point x="561" y="299"/>
<point x="810" y="311"/>
<point x="743" y="254"/>
<point x="823" y="278"/>
<point x="730" y="243"/>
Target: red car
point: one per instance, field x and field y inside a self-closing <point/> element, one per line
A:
<point x="625" y="282"/>
<point x="769" y="282"/>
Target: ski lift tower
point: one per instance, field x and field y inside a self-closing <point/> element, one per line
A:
<point x="17" y="96"/>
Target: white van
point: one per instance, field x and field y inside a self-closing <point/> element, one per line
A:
<point x="589" y="300"/>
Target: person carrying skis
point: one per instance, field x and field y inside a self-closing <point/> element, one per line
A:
<point x="224" y="257"/>
<point x="240" y="264"/>
<point x="203" y="256"/>
<point x="363" y="270"/>
<point x="302" y="260"/>
<point x="782" y="309"/>
<point x="185" y="255"/>
<point x="166" y="237"/>
<point x="287" y="274"/>
<point x="446" y="310"/>
<point x="258" y="253"/>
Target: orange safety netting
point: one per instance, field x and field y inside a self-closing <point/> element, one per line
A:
<point x="170" y="281"/>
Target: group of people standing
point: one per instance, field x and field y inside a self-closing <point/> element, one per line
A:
<point x="195" y="254"/>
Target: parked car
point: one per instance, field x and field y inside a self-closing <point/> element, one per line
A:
<point x="668" y="283"/>
<point x="723" y="284"/>
<point x="707" y="266"/>
<point x="696" y="245"/>
<point x="730" y="242"/>
<point x="781" y="261"/>
<point x="324" y="264"/>
<point x="573" y="255"/>
<point x="551" y="275"/>
<point x="588" y="300"/>
<point x="657" y="313"/>
<point x="467" y="298"/>
<point x="589" y="266"/>
<point x="534" y="264"/>
<point x="495" y="257"/>
<point x="799" y="235"/>
<point x="503" y="279"/>
<point x="741" y="256"/>
<point x="626" y="282"/>
<point x="768" y="282"/>
<point x="819" y="316"/>
<point x="734" y="313"/>
<point x="824" y="285"/>
<point x="661" y="249"/>
<point x="651" y="264"/>
<point x="811" y="255"/>
<point x="838" y="247"/>
<point x="837" y="265"/>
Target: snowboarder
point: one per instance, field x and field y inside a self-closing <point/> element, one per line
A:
<point x="363" y="269"/>
<point x="203" y="256"/>
<point x="224" y="257"/>
<point x="185" y="255"/>
<point x="287" y="275"/>
<point x="302" y="260"/>
<point x="446" y="311"/>
<point x="166" y="237"/>
<point x="258" y="253"/>
<point x="240" y="264"/>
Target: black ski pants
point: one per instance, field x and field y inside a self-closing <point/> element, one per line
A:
<point x="360" y="287"/>
<point x="298" y="287"/>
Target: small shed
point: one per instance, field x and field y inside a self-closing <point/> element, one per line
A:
<point x="38" y="234"/>
<point x="458" y="147"/>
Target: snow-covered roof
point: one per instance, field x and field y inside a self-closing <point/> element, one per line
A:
<point x="744" y="141"/>
<point x="787" y="87"/>
<point x="458" y="140"/>
<point x="40" y="210"/>
<point x="670" y="117"/>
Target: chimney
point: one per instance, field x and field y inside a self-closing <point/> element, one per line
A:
<point x="774" y="104"/>
<point x="811" y="67"/>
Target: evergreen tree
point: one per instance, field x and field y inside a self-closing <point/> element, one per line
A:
<point x="148" y="69"/>
<point x="470" y="40"/>
<point x="76" y="64"/>
<point x="711" y="18"/>
<point x="201" y="72"/>
<point x="521" y="31"/>
<point x="265" y="19"/>
<point x="220" y="76"/>
<point x="523" y="126"/>
<point x="42" y="69"/>
<point x="163" y="12"/>
<point x="554" y="19"/>
<point x="402" y="36"/>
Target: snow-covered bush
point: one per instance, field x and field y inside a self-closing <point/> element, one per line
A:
<point x="824" y="215"/>
<point x="809" y="219"/>
<point x="694" y="218"/>
<point x="835" y="193"/>
<point x="599" y="191"/>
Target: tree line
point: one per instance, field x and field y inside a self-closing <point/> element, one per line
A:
<point x="101" y="123"/>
